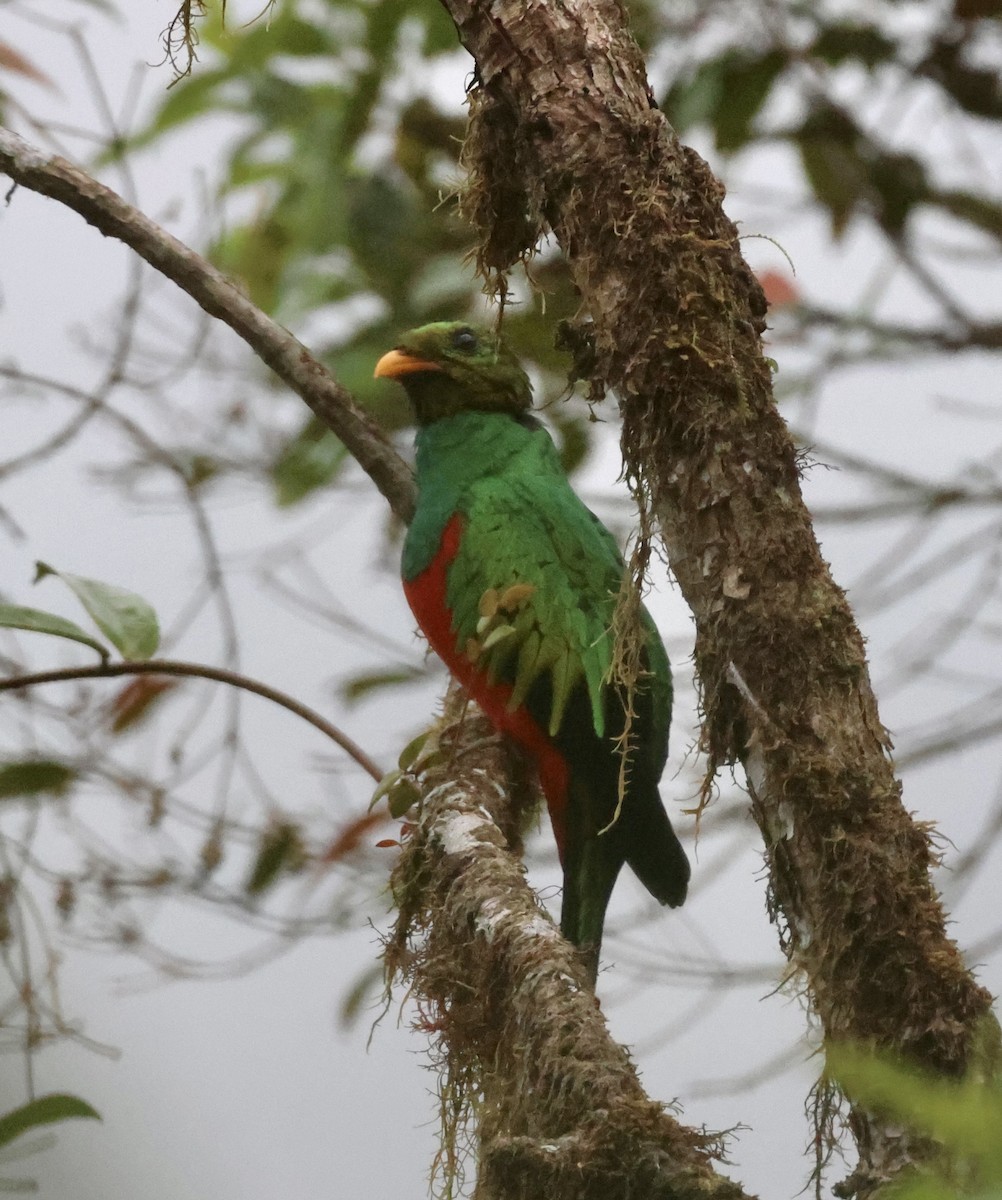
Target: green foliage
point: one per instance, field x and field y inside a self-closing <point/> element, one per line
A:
<point x="807" y="60"/>
<point x="34" y="777"/>
<point x="726" y="93"/>
<point x="349" y="179"/>
<point x="309" y="91"/>
<point x="280" y="851"/>
<point x="360" y="687"/>
<point x="400" y="787"/>
<point x="126" y="619"/>
<point x="34" y="620"/>
<point x="962" y="1117"/>
<point x="37" y="1113"/>
<point x="309" y="461"/>
<point x="45" y="1110"/>
<point x="347" y="164"/>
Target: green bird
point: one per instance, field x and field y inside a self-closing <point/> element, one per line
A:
<point x="514" y="583"/>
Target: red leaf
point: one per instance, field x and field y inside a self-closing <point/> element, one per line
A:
<point x="350" y="837"/>
<point x="13" y="60"/>
<point x="780" y="291"/>
<point x="134" y="700"/>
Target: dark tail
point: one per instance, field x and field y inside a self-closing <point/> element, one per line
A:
<point x="640" y="835"/>
<point x="643" y="837"/>
<point x="654" y="852"/>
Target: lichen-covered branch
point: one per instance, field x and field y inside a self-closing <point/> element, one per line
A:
<point x="563" y="121"/>
<point x="526" y="1055"/>
<point x="220" y="297"/>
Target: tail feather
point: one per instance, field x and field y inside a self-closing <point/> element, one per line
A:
<point x="591" y="866"/>
<point x="641" y="834"/>
<point x="654" y="852"/>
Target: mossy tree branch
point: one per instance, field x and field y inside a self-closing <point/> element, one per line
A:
<point x="564" y="133"/>
<point x="525" y="1053"/>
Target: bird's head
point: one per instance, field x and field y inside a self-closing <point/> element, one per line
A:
<point x="451" y="367"/>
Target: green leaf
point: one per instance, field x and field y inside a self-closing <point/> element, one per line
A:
<point x="745" y="86"/>
<point x="384" y="787"/>
<point x="309" y="461"/>
<point x="981" y="211"/>
<point x="439" y="29"/>
<point x="836" y="177"/>
<point x="410" y="753"/>
<point x="900" y="184"/>
<point x="728" y="92"/>
<point x="192" y="97"/>
<point x="964" y="1116"/>
<point x="403" y="797"/>
<point x="31" y="777"/>
<point x="574" y="441"/>
<point x="420" y="752"/>
<point x="367" y="987"/>
<point x="361" y="686"/>
<point x="975" y="88"/>
<point x="694" y="101"/>
<point x="14" y="616"/>
<point x="281" y="849"/>
<point x="123" y="617"/>
<point x="46" y="1110"/>
<point x="847" y="40"/>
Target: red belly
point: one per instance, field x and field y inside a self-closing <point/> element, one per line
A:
<point x="426" y="595"/>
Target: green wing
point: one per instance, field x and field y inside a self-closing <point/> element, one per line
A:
<point x="533" y="586"/>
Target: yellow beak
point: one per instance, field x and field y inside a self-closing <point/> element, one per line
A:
<point x="396" y="363"/>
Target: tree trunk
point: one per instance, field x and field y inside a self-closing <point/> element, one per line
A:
<point x="564" y="132"/>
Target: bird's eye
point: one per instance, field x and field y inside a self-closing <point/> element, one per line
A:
<point x="465" y="340"/>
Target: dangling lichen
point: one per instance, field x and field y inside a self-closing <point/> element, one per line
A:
<point x="505" y="214"/>
<point x="629" y="641"/>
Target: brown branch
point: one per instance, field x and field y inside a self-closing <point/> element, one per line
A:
<point x="564" y="131"/>
<point x="220" y="297"/>
<point x="559" y="1108"/>
<point x="914" y="339"/>
<point x="168" y="666"/>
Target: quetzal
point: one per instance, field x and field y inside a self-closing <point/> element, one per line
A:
<point x="514" y="583"/>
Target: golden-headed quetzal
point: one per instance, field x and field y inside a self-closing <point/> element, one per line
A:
<point x="514" y="583"/>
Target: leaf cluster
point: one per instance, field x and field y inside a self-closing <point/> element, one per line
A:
<point x="347" y="162"/>
<point x="962" y="1117"/>
<point x="815" y="80"/>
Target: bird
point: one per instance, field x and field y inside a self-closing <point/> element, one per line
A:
<point x="514" y="583"/>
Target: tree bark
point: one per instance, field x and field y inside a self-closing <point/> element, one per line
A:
<point x="564" y="133"/>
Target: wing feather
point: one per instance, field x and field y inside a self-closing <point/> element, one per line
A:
<point x="535" y="560"/>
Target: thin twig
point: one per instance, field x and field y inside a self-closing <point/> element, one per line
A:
<point x="167" y="666"/>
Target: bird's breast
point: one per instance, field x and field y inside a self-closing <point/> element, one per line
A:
<point x="427" y="594"/>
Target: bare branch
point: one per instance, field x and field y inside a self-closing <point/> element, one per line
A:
<point x="166" y="666"/>
<point x="220" y="297"/>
